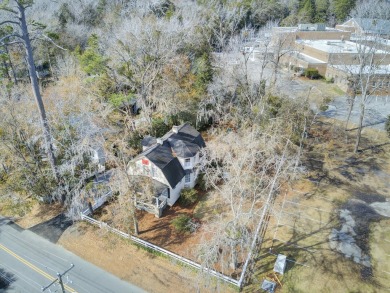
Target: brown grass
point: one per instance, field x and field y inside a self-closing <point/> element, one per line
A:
<point x="334" y="175"/>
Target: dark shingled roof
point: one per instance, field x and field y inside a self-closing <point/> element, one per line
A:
<point x="148" y="141"/>
<point x="161" y="156"/>
<point x="185" y="143"/>
<point x="182" y="148"/>
<point x="186" y="133"/>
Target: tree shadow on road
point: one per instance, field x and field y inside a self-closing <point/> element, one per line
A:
<point x="6" y="280"/>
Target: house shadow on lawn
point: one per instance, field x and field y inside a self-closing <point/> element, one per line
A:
<point x="161" y="232"/>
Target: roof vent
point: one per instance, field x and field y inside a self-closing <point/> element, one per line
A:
<point x="160" y="141"/>
<point x="175" y="129"/>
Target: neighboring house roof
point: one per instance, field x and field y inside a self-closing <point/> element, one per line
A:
<point x="373" y="26"/>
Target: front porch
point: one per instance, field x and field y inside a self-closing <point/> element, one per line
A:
<point x="157" y="202"/>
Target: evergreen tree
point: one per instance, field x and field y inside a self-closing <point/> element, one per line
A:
<point x="308" y="10"/>
<point x="342" y="8"/>
<point x="322" y="8"/>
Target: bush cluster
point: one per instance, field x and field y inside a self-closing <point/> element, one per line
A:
<point x="182" y="223"/>
<point x="188" y="196"/>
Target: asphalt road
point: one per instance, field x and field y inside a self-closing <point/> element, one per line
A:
<point x="29" y="262"/>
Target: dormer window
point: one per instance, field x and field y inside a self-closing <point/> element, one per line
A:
<point x="187" y="162"/>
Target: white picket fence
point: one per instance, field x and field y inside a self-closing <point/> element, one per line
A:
<point x="98" y="203"/>
<point x="163" y="251"/>
<point x="239" y="283"/>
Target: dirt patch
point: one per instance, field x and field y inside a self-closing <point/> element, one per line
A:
<point x="309" y="210"/>
<point x="118" y="256"/>
<point x="161" y="232"/>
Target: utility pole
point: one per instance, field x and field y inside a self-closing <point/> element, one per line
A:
<point x="59" y="280"/>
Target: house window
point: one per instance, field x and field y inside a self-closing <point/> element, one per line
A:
<point x="188" y="178"/>
<point x="187" y="162"/>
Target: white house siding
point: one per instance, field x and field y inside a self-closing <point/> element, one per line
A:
<point x="139" y="170"/>
<point x="190" y="165"/>
<point x="175" y="193"/>
<point x="193" y="165"/>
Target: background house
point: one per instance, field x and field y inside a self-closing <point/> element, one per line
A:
<point x="172" y="162"/>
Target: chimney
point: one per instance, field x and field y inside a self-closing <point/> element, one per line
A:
<point x="175" y="129"/>
<point x="159" y="141"/>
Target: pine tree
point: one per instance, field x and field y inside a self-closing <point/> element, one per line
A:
<point x="342" y="8"/>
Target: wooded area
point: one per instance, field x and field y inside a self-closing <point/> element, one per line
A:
<point x="77" y="77"/>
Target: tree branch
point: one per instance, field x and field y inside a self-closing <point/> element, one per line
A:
<point x="9" y="21"/>
<point x="13" y="42"/>
<point x="51" y="41"/>
<point x="8" y="9"/>
<point x="9" y="36"/>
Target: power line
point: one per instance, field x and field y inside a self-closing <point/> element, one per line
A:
<point x="59" y="280"/>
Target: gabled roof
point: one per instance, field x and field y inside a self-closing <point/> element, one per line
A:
<point x="183" y="141"/>
<point x="161" y="156"/>
<point x="186" y="133"/>
<point x="183" y="149"/>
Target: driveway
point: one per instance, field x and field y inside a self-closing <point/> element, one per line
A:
<point x="377" y="111"/>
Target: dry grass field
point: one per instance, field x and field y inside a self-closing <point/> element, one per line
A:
<point x="307" y="212"/>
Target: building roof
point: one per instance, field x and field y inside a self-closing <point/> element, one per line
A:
<point x="305" y="57"/>
<point x="161" y="156"/>
<point x="183" y="141"/>
<point x="148" y="141"/>
<point x="186" y="133"/>
<point x="183" y="149"/>
<point x="336" y="46"/>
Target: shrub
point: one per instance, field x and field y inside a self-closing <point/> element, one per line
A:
<point x="201" y="182"/>
<point x="311" y="73"/>
<point x="182" y="223"/>
<point x="387" y="125"/>
<point x="330" y="80"/>
<point x="274" y="103"/>
<point x="188" y="196"/>
<point x="160" y="127"/>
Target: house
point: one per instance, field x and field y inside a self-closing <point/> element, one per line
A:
<point x="172" y="162"/>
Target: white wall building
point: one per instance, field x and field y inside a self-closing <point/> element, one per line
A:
<point x="172" y="160"/>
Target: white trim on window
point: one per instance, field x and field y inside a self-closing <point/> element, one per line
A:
<point x="187" y="162"/>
